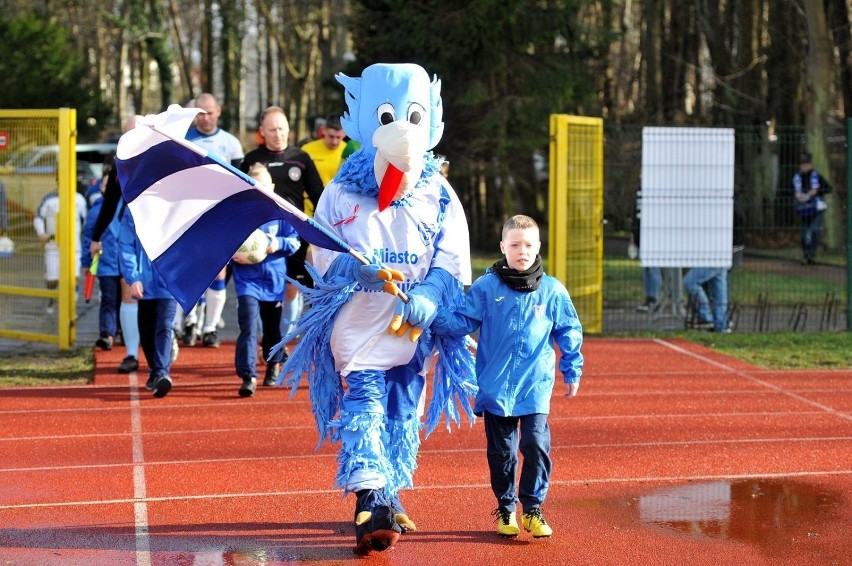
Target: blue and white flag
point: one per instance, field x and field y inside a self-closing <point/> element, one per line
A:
<point x="192" y="210"/>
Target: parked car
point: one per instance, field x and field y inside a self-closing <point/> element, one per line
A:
<point x="30" y="174"/>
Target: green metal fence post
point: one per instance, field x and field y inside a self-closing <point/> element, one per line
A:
<point x="849" y="225"/>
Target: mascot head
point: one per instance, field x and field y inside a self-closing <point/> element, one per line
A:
<point x="395" y="112"/>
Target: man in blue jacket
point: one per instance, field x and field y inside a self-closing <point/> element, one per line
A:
<point x="809" y="187"/>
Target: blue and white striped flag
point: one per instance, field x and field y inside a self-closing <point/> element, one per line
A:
<point x="192" y="210"/>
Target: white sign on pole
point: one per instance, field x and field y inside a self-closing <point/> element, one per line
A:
<point x="687" y="197"/>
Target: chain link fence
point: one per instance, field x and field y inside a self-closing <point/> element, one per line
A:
<point x="769" y="288"/>
<point x="38" y="237"/>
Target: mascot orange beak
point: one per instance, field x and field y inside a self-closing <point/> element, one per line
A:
<point x="389" y="187"/>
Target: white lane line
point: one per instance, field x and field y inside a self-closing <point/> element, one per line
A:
<point x="311" y="427"/>
<point x="704" y="373"/>
<point x="182" y="462"/>
<point x="163" y="432"/>
<point x="713" y="415"/>
<point x="175" y="407"/>
<point x="744" y="375"/>
<point x="428" y="452"/>
<point x="309" y="492"/>
<point x="140" y="505"/>
<point x="680" y="392"/>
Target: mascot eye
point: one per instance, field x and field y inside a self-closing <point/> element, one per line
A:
<point x="386" y="113"/>
<point x="416" y="113"/>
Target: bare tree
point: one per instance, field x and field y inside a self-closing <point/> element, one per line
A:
<point x="651" y="55"/>
<point x="819" y="81"/>
<point x="183" y="51"/>
<point x="232" y="17"/>
<point x="838" y="19"/>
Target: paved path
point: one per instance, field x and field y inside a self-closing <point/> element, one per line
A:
<point x="87" y="327"/>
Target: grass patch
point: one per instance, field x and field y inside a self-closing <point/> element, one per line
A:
<point x="780" y="350"/>
<point x="837" y="258"/>
<point x="622" y="281"/>
<point x="70" y="367"/>
<point x="747" y="285"/>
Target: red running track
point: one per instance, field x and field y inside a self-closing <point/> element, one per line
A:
<point x="671" y="454"/>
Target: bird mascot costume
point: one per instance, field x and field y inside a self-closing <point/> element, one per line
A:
<point x="365" y="342"/>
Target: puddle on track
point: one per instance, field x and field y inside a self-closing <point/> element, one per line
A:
<point x="770" y="514"/>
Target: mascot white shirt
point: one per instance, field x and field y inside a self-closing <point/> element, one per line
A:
<point x="427" y="228"/>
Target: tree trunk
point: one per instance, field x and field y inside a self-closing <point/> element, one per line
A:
<point x="838" y="18"/>
<point x="183" y="52"/>
<point x="231" y="56"/>
<point x="673" y="63"/>
<point x="819" y="81"/>
<point x="711" y="18"/>
<point x="123" y="90"/>
<point x="625" y="69"/>
<point x="208" y="54"/>
<point x="651" y="54"/>
<point x="785" y="102"/>
<point x="158" y="51"/>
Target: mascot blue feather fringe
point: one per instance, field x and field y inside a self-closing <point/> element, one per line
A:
<point x="389" y="202"/>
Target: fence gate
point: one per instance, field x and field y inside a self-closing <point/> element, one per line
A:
<point x="37" y="156"/>
<point x="576" y="213"/>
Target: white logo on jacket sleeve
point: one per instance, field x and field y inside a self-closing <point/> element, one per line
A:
<point x="498" y="299"/>
<point x="427" y="233"/>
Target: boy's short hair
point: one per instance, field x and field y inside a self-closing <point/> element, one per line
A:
<point x="257" y="168"/>
<point x="518" y="222"/>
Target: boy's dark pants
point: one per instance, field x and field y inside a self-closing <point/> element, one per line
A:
<point x="504" y="440"/>
<point x="155" y="318"/>
<point x="110" y="286"/>
<point x="249" y="310"/>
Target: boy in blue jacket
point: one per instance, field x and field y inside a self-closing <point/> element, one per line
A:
<point x="260" y="294"/>
<point x="519" y="311"/>
<point x="156" y="306"/>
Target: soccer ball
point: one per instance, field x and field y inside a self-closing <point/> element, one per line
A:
<point x="253" y="249"/>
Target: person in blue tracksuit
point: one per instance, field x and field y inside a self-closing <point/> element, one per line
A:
<point x="260" y="292"/>
<point x="94" y="199"/>
<point x="117" y="311"/>
<point x="520" y="312"/>
<point x="104" y="240"/>
<point x="156" y="306"/>
<point x="109" y="279"/>
<point x="809" y="190"/>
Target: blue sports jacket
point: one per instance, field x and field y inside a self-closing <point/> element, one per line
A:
<point x="515" y="359"/>
<point x="265" y="281"/>
<point x="135" y="264"/>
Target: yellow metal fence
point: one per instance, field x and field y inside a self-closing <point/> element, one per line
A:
<point x="37" y="156"/>
<point x="576" y="213"/>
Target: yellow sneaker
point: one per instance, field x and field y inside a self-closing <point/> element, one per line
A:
<point x="507" y="523"/>
<point x="535" y="524"/>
